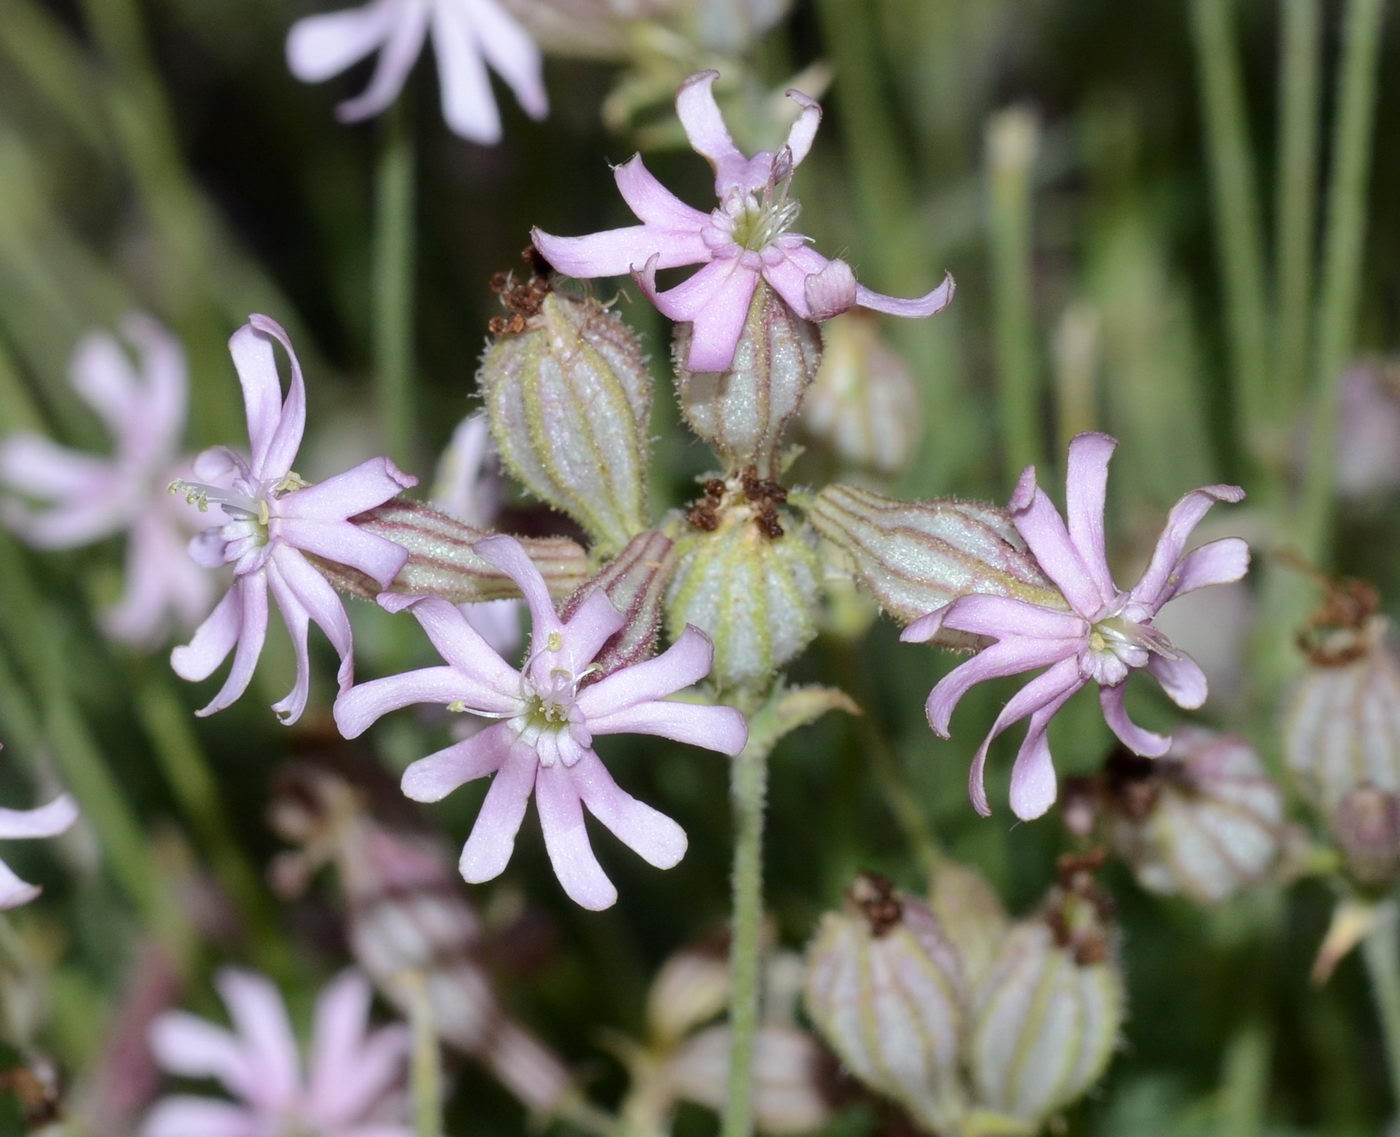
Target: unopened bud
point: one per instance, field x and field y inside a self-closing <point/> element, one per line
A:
<point x="691" y="988"/>
<point x="747" y="579"/>
<point x="1048" y="1011"/>
<point x="886" y="990"/>
<point x="970" y="913"/>
<point x="569" y="396"/>
<point x="916" y="556"/>
<point x="743" y="413"/>
<point x="1367" y="826"/>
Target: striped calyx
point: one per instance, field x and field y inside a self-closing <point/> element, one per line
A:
<point x="885" y="989"/>
<point x="441" y="561"/>
<point x="971" y="913"/>
<point x="569" y="398"/>
<point x="916" y="556"/>
<point x="1046" y="1014"/>
<point x="744" y="413"/>
<point x="635" y="581"/>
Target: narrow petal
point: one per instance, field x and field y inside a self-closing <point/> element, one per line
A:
<point x="830" y="291"/>
<point x="494" y="683"/>
<point x="256" y="363"/>
<point x="344" y="543"/>
<point x="509" y="49"/>
<point x="349" y="1071"/>
<point x="1033" y="783"/>
<point x="260" y="1017"/>
<point x="45" y="821"/>
<point x="1009" y="656"/>
<point x="715" y="329"/>
<point x="1139" y="741"/>
<point x="566" y="840"/>
<point x="655" y="205"/>
<point x="212" y="640"/>
<point x="1182" y="679"/>
<point x="13" y="891"/>
<point x="804" y="130"/>
<point x="193" y="1047"/>
<point x="508" y="555"/>
<point x="684" y="663"/>
<point x="35" y="465"/>
<point x="595" y="622"/>
<point x="318" y="600"/>
<point x="1004" y="616"/>
<point x="102" y="374"/>
<point x="715" y="728"/>
<point x="647" y="832"/>
<point x="1043" y="530"/>
<point x="69" y="526"/>
<point x="1086" y="485"/>
<point x="297" y="622"/>
<point x="689" y="298"/>
<point x="468" y="105"/>
<point x="704" y="127"/>
<point x="492" y="839"/>
<point x="321" y="46"/>
<point x="375" y="1071"/>
<point x="182" y="1115"/>
<point x="1184" y="517"/>
<point x="365" y="703"/>
<point x="790" y="274"/>
<point x="403" y="40"/>
<point x="925" y="627"/>
<point x="359" y="489"/>
<point x="1218" y="562"/>
<point x="926" y="305"/>
<point x="252" y="631"/>
<point x="165" y="376"/>
<point x="434" y="777"/>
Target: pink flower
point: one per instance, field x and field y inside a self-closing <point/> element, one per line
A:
<point x="46" y="821"/>
<point x="273" y="520"/>
<point x="468" y="35"/>
<point x="1104" y="636"/>
<point x="90" y="497"/>
<point x="349" y="1084"/>
<point x="548" y="718"/>
<point x="746" y="237"/>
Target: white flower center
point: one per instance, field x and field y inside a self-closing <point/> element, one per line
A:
<point x="1117" y="645"/>
<point x="756" y="220"/>
<point x="248" y="504"/>
<point x="549" y="705"/>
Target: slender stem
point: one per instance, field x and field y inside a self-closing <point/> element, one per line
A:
<point x="1239" y="245"/>
<point x="426" y="1075"/>
<point x="1245" y="1078"/>
<point x="1341" y="272"/>
<point x="1381" y="951"/>
<point x="1012" y="141"/>
<point x="1296" y="181"/>
<point x="393" y="282"/>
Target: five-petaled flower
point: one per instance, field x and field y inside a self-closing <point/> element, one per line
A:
<point x="350" y="1088"/>
<point x="1104" y="634"/>
<point x="46" y="821"/>
<point x="548" y="718"/>
<point x="747" y="236"/>
<point x="468" y="35"/>
<point x="273" y="520"/>
<point x="91" y="497"/>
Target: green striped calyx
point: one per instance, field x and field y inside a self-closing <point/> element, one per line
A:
<point x="569" y="398"/>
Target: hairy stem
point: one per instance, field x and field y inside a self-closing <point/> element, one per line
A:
<point x="393" y="282"/>
<point x="1381" y="951"/>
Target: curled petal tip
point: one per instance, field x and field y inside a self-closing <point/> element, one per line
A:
<point x="1024" y="493"/>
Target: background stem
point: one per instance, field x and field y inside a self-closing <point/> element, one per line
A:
<point x="393" y="283"/>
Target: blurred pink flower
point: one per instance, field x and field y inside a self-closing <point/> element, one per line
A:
<point x="746" y="237"/>
<point x="544" y="739"/>
<point x="274" y="519"/>
<point x="1104" y="636"/>
<point x="46" y="821"/>
<point x="90" y="497"/>
<point x="468" y="35"/>
<point x="351" y="1073"/>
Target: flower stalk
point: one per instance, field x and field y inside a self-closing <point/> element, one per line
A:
<point x="425" y="1069"/>
<point x="393" y="281"/>
<point x="1381" y="951"/>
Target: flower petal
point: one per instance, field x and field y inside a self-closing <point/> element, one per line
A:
<point x="1184" y="517"/>
<point x="928" y="304"/>
<point x="595" y="622"/>
<point x="165" y="378"/>
<point x="434" y="777"/>
<point x="508" y="555"/>
<point x="804" y="130"/>
<point x="260" y="1018"/>
<point x="646" y="831"/>
<point x="1033" y="783"/>
<point x="1086" y="483"/>
<point x="321" y="46"/>
<point x="830" y="291"/>
<point x="358" y="489"/>
<point x="350" y="1072"/>
<point x="492" y="839"/>
<point x="685" y="662"/>
<point x="715" y="328"/>
<point x="365" y="703"/>
<point x="102" y="374"/>
<point x="274" y="427"/>
<point x="468" y="104"/>
<point x="212" y="640"/>
<point x="13" y="891"/>
<point x="182" y="1115"/>
<point x="39" y="467"/>
<point x="494" y="683"/>
<point x="1001" y="616"/>
<point x="252" y="631"/>
<point x="193" y="1047"/>
<point x="509" y="49"/>
<point x="318" y="600"/>
<point x="297" y="621"/>
<point x="402" y="41"/>
<point x="1043" y="530"/>
<point x="617" y="252"/>
<point x="1181" y="678"/>
<point x="566" y="840"/>
<point x="1009" y="656"/>
<point x="1139" y="741"/>
<point x="715" y="728"/>
<point x="345" y="544"/>
<point x="45" y="821"/>
<point x="655" y="205"/>
<point x="1217" y="562"/>
<point x="704" y="128"/>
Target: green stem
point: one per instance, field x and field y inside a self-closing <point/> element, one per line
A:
<point x="1341" y="272"/>
<point x="426" y="1072"/>
<point x="393" y="282"/>
<point x="1012" y="141"/>
<point x="1238" y="240"/>
<point x="1296" y="180"/>
<point x="1381" y="951"/>
<point x="1245" y="1078"/>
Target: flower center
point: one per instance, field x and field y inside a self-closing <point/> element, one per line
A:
<point x="1117" y="645"/>
<point x="760" y="219"/>
<point x="247" y="503"/>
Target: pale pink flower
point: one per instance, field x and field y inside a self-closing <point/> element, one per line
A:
<point x="748" y="236"/>
<point x="273" y="520"/>
<point x="46" y="821"/>
<point x="348" y="1089"/>
<point x="1105" y="634"/>
<point x="548" y="717"/>
<point x="90" y="497"/>
<point x="468" y="35"/>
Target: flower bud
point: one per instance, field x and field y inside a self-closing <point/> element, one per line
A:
<point x="885" y="989"/>
<point x="746" y="580"/>
<point x="864" y="403"/>
<point x="1367" y="826"/>
<point x="743" y="413"/>
<point x="970" y="913"/>
<point x="635" y="581"/>
<point x="916" y="556"/>
<point x="1047" y="1013"/>
<point x="569" y="397"/>
<point x="1205" y="820"/>
<point x="691" y="988"/>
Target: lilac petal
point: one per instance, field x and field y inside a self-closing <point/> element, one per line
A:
<point x="297" y="621"/>
<point x="166" y="378"/>
<point x="830" y="291"/>
<point x="595" y="622"/>
<point x="468" y="104"/>
<point x="344" y="543"/>
<point x="365" y="703"/>
<point x="617" y="252"/>
<point x="790" y="273"/>
<point x="13" y="891"/>
<point x="1051" y="688"/>
<point x="647" y="832"/>
<point x="685" y="662"/>
<point x="1009" y="656"/>
<point x="1004" y="616"/>
<point x="434" y="777"/>
<point x="721" y="729"/>
<point x="102" y="374"/>
<point x="492" y="839"/>
<point x="256" y="364"/>
<point x="1184" y="517"/>
<point x="926" y="305"/>
<point x="317" y="599"/>
<point x="704" y="128"/>
<point x="321" y="46"/>
<point x="212" y="640"/>
<point x="1086" y="483"/>
<point x="1139" y="741"/>
<point x="182" y="1115"/>
<point x="1033" y="783"/>
<point x="192" y="1047"/>
<point x="358" y="489"/>
<point x="495" y="684"/>
<point x="715" y="328"/>
<point x="35" y="465"/>
<point x="1181" y="678"/>
<point x="1218" y="562"/>
<point x="206" y="549"/>
<point x="377" y="1069"/>
<point x="252" y="631"/>
<point x="507" y="554"/>
<point x="45" y="821"/>
<point x="509" y="49"/>
<point x="68" y="526"/>
<point x="804" y="130"/>
<point x="653" y="203"/>
<point x="349" y="1072"/>
<point x="566" y="841"/>
<point x="925" y="627"/>
<point x="1043" y="530"/>
<point x="260" y="1019"/>
<point x="403" y="40"/>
